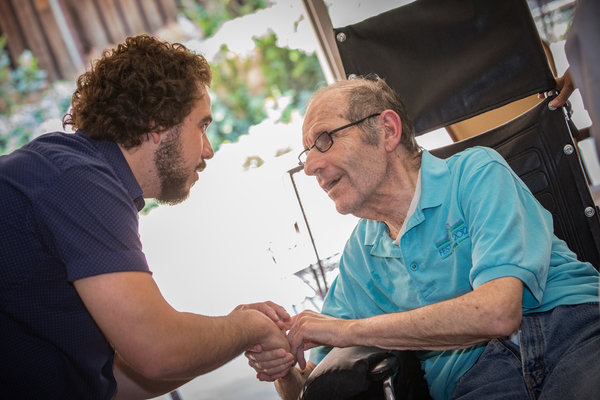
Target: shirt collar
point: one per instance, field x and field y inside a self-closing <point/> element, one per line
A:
<point x="115" y="158"/>
<point x="434" y="176"/>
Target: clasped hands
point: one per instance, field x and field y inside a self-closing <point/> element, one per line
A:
<point x="305" y="331"/>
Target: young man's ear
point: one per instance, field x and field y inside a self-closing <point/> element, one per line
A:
<point x="154" y="137"/>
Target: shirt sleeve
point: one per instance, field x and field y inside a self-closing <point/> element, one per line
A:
<point x="89" y="222"/>
<point x="511" y="232"/>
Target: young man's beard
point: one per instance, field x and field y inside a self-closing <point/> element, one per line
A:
<point x="172" y="174"/>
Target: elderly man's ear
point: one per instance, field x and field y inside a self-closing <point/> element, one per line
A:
<point x="393" y="129"/>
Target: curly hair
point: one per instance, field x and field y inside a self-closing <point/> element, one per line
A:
<point x="143" y="85"/>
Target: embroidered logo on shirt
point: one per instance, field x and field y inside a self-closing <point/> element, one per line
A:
<point x="454" y="235"/>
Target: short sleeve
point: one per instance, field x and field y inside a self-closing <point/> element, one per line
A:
<point x="92" y="223"/>
<point x="511" y="232"/>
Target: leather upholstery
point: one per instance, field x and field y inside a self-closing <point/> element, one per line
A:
<point x="450" y="60"/>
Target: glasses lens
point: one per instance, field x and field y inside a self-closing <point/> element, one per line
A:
<point x="323" y="142"/>
<point x="302" y="157"/>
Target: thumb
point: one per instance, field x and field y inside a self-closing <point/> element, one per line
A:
<point x="560" y="100"/>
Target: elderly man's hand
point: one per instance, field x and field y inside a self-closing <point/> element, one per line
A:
<point x="310" y="329"/>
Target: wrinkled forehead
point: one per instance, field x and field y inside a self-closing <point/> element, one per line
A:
<point x="325" y="112"/>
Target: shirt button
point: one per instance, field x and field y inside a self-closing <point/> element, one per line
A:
<point x="414" y="267"/>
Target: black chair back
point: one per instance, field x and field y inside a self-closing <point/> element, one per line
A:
<point x="450" y="60"/>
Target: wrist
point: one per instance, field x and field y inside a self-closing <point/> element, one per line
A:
<point x="290" y="385"/>
<point x="251" y="326"/>
<point x="358" y="333"/>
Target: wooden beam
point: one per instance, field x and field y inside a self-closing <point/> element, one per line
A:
<point x="88" y="25"/>
<point x="133" y="17"/>
<point x="113" y="21"/>
<point x="34" y="37"/>
<point x="54" y="37"/>
<point x="327" y="52"/>
<point x="12" y="30"/>
<point x="152" y="14"/>
<point x="170" y="10"/>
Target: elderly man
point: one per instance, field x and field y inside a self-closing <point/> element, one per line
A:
<point x="80" y="315"/>
<point x="454" y="258"/>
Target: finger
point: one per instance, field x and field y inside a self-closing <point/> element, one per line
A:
<point x="270" y="378"/>
<point x="267" y="355"/>
<point x="295" y="338"/>
<point x="300" y="359"/>
<point x="275" y="312"/>
<point x="256" y="349"/>
<point x="289" y="324"/>
<point x="281" y="312"/>
<point x="250" y="355"/>
<point x="264" y="377"/>
<point x="271" y="313"/>
<point x="272" y="363"/>
<point x="294" y="325"/>
<point x="560" y="100"/>
<point x="273" y="367"/>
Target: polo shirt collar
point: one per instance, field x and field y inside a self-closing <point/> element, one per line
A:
<point x="116" y="159"/>
<point x="434" y="176"/>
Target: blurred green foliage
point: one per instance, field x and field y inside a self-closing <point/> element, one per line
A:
<point x="16" y="84"/>
<point x="274" y="76"/>
<point x="281" y="78"/>
<point x="209" y="15"/>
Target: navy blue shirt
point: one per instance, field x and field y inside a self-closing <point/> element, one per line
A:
<point x="68" y="210"/>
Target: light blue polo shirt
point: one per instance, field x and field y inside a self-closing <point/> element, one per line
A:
<point x="476" y="221"/>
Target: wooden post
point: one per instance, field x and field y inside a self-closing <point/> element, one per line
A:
<point x="133" y="17"/>
<point x="11" y="29"/>
<point x="170" y="9"/>
<point x="113" y="20"/>
<point x="88" y="25"/>
<point x="34" y="37"/>
<point x="54" y="37"/>
<point x="152" y="14"/>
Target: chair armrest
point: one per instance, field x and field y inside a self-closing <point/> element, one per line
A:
<point x="349" y="373"/>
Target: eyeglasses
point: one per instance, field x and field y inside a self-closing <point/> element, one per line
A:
<point x="324" y="141"/>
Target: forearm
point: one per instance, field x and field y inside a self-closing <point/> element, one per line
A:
<point x="462" y="322"/>
<point x="162" y="343"/>
<point x="492" y="310"/>
<point x="289" y="386"/>
<point x="132" y="385"/>
<point x="193" y="345"/>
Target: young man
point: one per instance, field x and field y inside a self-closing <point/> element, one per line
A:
<point x="454" y="258"/>
<point x="80" y="315"/>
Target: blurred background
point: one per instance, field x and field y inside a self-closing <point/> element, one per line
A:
<point x="254" y="228"/>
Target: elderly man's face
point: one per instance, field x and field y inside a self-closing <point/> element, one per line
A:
<point x="351" y="171"/>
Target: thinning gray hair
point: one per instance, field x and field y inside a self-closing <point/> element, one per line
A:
<point x="370" y="95"/>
